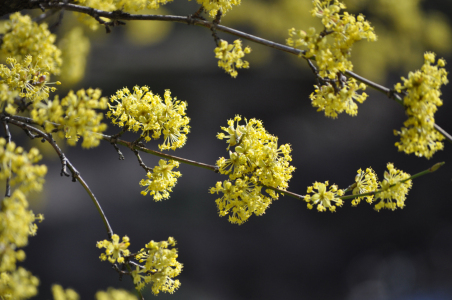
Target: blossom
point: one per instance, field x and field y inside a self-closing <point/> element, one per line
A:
<point x="60" y="294"/>
<point x="213" y="6"/>
<point x="115" y="251"/>
<point x="323" y="198"/>
<point x="366" y="182"/>
<point x="160" y="267"/>
<point x="255" y="162"/>
<point x="230" y="56"/>
<point x="394" y="189"/>
<point x="331" y="49"/>
<point x="24" y="37"/>
<point x="115" y="294"/>
<point x="75" y="48"/>
<point x="76" y="114"/>
<point x="421" y="99"/>
<point x="327" y="98"/>
<point x="27" y="78"/>
<point x="143" y="111"/>
<point x="160" y="181"/>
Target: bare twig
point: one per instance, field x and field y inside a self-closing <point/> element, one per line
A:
<point x="66" y="163"/>
<point x="8" y="140"/>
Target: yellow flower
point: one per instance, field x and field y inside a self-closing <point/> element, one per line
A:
<point x="421" y="99"/>
<point x="161" y="180"/>
<point x="114" y="250"/>
<point x="397" y="192"/>
<point x="146" y="112"/>
<point x="256" y="161"/>
<point x="323" y="198"/>
<point x="230" y="56"/>
<point x="366" y="181"/>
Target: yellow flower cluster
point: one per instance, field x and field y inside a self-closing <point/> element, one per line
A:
<point x="75" y="48"/>
<point x="213" y="6"/>
<point x="396" y="193"/>
<point x="26" y="78"/>
<point x="160" y="267"/>
<point x="145" y="111"/>
<point x="256" y="162"/>
<point x="111" y="294"/>
<point x="114" y="250"/>
<point x="24" y="37"/>
<point x="366" y="181"/>
<point x="115" y="294"/>
<point x="323" y="198"/>
<point x="17" y="222"/>
<point x="334" y="102"/>
<point x="20" y="166"/>
<point x="160" y="181"/>
<point x="77" y="114"/>
<point x="59" y="293"/>
<point x="230" y="56"/>
<point x="421" y="98"/>
<point x="331" y="50"/>
<point x="112" y="5"/>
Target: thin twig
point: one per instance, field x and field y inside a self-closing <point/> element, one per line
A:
<point x="8" y="140"/>
<point x="76" y="175"/>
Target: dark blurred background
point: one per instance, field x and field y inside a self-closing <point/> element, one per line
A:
<point x="288" y="253"/>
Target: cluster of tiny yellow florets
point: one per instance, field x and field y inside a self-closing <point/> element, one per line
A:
<point x="160" y="267"/>
<point x="213" y="6"/>
<point x="256" y="162"/>
<point x="335" y="101"/>
<point x="17" y="222"/>
<point x="323" y="198"/>
<point x="113" y="5"/>
<point x="422" y="93"/>
<point x="366" y="182"/>
<point x="143" y="111"/>
<point x="59" y="293"/>
<point x="27" y="78"/>
<point x="160" y="181"/>
<point x="394" y="189"/>
<point x="114" y="250"/>
<point x="230" y="56"/>
<point x="24" y="37"/>
<point x="332" y="50"/>
<point x="115" y="294"/>
<point x="75" y="48"/>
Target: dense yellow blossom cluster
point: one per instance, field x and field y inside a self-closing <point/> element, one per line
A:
<point x="17" y="222"/>
<point x="256" y="162"/>
<point x="59" y="293"/>
<point x="160" y="267"/>
<point x="213" y="6"/>
<point x="115" y="250"/>
<point x="143" y="111"/>
<point x="334" y="101"/>
<point x="75" y="48"/>
<point x="366" y="181"/>
<point x="160" y="181"/>
<point x="331" y="49"/>
<point x="27" y="78"/>
<point x="323" y="198"/>
<point x="160" y="263"/>
<point x="230" y="56"/>
<point x="24" y="37"/>
<point x="113" y="5"/>
<point x="394" y="189"/>
<point x="421" y="99"/>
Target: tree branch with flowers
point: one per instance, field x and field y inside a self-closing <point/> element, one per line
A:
<point x="257" y="168"/>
